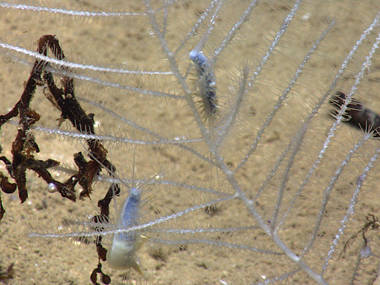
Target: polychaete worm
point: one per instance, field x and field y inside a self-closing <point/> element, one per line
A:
<point x="206" y="80"/>
<point x="125" y="245"/>
<point x="357" y="114"/>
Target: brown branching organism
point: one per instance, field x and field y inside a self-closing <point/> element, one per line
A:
<point x="104" y="277"/>
<point x="372" y="223"/>
<point x="8" y="274"/>
<point x="24" y="146"/>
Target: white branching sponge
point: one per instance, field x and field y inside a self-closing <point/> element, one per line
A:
<point x="249" y="161"/>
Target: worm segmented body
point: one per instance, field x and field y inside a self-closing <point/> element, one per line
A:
<point x="206" y="79"/>
<point x="357" y="114"/>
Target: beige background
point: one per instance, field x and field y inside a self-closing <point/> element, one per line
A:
<point x="128" y="42"/>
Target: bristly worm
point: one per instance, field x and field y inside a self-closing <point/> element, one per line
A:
<point x="206" y="80"/>
<point x="357" y="114"/>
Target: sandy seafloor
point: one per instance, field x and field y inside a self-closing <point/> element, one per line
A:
<point x="127" y="42"/>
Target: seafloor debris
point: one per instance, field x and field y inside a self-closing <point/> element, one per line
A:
<point x="8" y="274"/>
<point x="24" y="147"/>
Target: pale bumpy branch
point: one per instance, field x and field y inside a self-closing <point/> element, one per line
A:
<point x="102" y="82"/>
<point x="216" y="243"/>
<point x="116" y="85"/>
<point x="305" y="127"/>
<point x="351" y="208"/>
<point x="259" y="68"/>
<point x="230" y="118"/>
<point x="339" y="117"/>
<point x="74" y="65"/>
<point x="134" y="228"/>
<point x="234" y="29"/>
<point x="159" y="182"/>
<point x="279" y="104"/>
<point x="196" y="26"/>
<point x="330" y="187"/>
<point x="211" y="26"/>
<point x="174" y="66"/>
<point x="68" y="12"/>
<point x="113" y="138"/>
<point x="110" y="180"/>
<point x="145" y="130"/>
<point x="212" y="148"/>
<point x="202" y="230"/>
